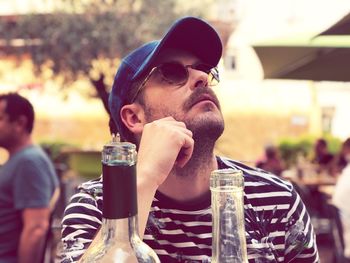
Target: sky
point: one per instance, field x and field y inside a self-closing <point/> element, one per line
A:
<point x="266" y="17"/>
<point x="9" y="7"/>
<point x="269" y="18"/>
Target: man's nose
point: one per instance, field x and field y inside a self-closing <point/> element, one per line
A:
<point x="198" y="78"/>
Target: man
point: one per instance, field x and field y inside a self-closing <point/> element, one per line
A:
<point x="341" y="159"/>
<point x="272" y="161"/>
<point x="27" y="185"/>
<point x="323" y="158"/>
<point x="162" y="100"/>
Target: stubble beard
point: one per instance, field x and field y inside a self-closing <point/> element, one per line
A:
<point x="205" y="135"/>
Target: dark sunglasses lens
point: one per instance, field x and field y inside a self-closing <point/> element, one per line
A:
<point x="175" y="73"/>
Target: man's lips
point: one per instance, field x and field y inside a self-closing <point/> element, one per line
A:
<point x="205" y="97"/>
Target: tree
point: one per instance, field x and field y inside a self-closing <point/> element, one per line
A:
<point x="87" y="40"/>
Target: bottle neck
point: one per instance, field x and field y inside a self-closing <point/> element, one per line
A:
<point x="121" y="230"/>
<point x="228" y="240"/>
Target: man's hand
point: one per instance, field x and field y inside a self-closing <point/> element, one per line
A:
<point x="164" y="143"/>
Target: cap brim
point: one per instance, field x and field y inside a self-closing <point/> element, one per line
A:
<point x="190" y="34"/>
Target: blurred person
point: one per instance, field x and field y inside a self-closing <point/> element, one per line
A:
<point x="341" y="197"/>
<point x="162" y="100"/>
<point x="322" y="157"/>
<point x="341" y="160"/>
<point x="271" y="161"/>
<point x="28" y="185"/>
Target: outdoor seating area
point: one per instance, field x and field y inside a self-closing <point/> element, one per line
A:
<point x="216" y="133"/>
<point x="316" y="191"/>
<point x="316" y="174"/>
<point x="314" y="187"/>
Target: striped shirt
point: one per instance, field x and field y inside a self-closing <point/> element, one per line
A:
<point x="277" y="225"/>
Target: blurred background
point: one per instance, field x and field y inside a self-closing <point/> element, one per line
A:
<point x="62" y="55"/>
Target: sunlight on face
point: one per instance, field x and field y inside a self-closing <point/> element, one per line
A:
<point x="198" y="107"/>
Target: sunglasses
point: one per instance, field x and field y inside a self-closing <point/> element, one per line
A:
<point x="177" y="74"/>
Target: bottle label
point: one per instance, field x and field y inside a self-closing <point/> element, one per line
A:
<point x="119" y="191"/>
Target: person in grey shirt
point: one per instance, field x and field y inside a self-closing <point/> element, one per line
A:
<point x="28" y="185"/>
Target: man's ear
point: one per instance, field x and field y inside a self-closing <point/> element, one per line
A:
<point x="132" y="116"/>
<point x="21" y="121"/>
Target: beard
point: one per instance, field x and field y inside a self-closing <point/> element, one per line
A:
<point x="206" y="126"/>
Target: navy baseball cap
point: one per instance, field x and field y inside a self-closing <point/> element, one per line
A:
<point x="189" y="33"/>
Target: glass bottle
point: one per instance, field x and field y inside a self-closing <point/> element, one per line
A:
<point x="119" y="240"/>
<point x="228" y="240"/>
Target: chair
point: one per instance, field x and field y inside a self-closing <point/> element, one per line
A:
<point x="47" y="251"/>
<point x="305" y="196"/>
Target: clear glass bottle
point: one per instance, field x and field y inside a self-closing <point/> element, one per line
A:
<point x="229" y="241"/>
<point x="119" y="240"/>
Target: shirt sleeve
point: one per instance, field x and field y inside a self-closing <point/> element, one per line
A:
<point x="300" y="239"/>
<point x="80" y="223"/>
<point x="32" y="185"/>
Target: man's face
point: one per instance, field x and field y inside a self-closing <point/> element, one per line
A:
<point x="194" y="103"/>
<point x="6" y="126"/>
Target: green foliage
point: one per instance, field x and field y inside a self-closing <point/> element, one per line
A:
<point x="334" y="144"/>
<point x="55" y="149"/>
<point x="86" y="39"/>
<point x="86" y="164"/>
<point x="68" y="40"/>
<point x="291" y="148"/>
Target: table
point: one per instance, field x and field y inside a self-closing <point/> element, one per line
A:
<point x="315" y="189"/>
<point x="327" y="190"/>
<point x="310" y="178"/>
<point x="317" y="181"/>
